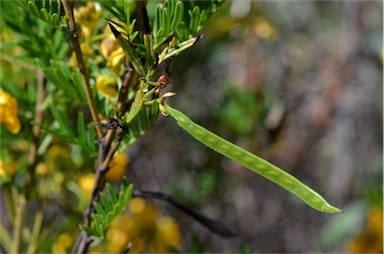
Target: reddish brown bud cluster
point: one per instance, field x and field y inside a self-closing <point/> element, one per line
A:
<point x="164" y="81"/>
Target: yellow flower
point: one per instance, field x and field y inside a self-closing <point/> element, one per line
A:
<point x="6" y="170"/>
<point x="117" y="236"/>
<point x="112" y="51"/>
<point x="87" y="16"/>
<point x="107" y="85"/>
<point x="63" y="244"/>
<point x="109" y="45"/>
<point x="8" y="112"/>
<point x="145" y="228"/>
<point x="22" y="145"/>
<point x="167" y="236"/>
<point x="117" y="167"/>
<point x="264" y="29"/>
<point x="86" y="184"/>
<point x="115" y="61"/>
<point x="137" y="205"/>
<point x="370" y="240"/>
<point x="42" y="169"/>
<point x="57" y="158"/>
<point x="87" y="53"/>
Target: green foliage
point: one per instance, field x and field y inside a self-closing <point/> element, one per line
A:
<point x="245" y="249"/>
<point x="240" y="110"/>
<point x="197" y="246"/>
<point x="5" y="239"/>
<point x="141" y="51"/>
<point x="168" y="17"/>
<point x="46" y="10"/>
<point x="173" y="18"/>
<point x="84" y="136"/>
<point x="130" y="52"/>
<point x="38" y="39"/>
<point x="64" y="79"/>
<point x="121" y="9"/>
<point x="206" y="184"/>
<point x="144" y="120"/>
<point x="109" y="208"/>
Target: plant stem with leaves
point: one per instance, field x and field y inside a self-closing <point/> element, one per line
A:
<point x="68" y="7"/>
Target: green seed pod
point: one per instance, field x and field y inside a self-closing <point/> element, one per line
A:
<point x="253" y="162"/>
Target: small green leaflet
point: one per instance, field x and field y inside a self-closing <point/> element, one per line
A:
<point x="130" y="52"/>
<point x="108" y="209"/>
<point x="136" y="105"/>
<point x="253" y="162"/>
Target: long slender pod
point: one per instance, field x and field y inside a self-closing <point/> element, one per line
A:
<point x="253" y="162"/>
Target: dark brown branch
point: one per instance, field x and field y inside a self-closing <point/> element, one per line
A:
<point x="107" y="149"/>
<point x="215" y="226"/>
<point x="68" y="8"/>
<point x="107" y="145"/>
<point x="121" y="103"/>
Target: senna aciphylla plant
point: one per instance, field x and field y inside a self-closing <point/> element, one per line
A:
<point x="94" y="73"/>
<point x="108" y="96"/>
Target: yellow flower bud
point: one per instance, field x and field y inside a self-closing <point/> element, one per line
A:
<point x="137" y="205"/>
<point x="370" y="239"/>
<point x="117" y="167"/>
<point x="41" y="169"/>
<point x="8" y="112"/>
<point x="115" y="61"/>
<point x="63" y="243"/>
<point x="265" y="30"/>
<point x="117" y="238"/>
<point x="87" y="53"/>
<point x="87" y="17"/>
<point x="86" y="184"/>
<point x="112" y="51"/>
<point x="145" y="228"/>
<point x="107" y="85"/>
<point x="168" y="234"/>
<point x="7" y="169"/>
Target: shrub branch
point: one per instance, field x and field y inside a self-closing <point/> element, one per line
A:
<point x="80" y="60"/>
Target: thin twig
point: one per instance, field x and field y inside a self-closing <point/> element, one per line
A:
<point x="35" y="232"/>
<point x="215" y="226"/>
<point x="15" y="62"/>
<point x="80" y="60"/>
<point x="33" y="159"/>
<point x="110" y="154"/>
<point x="19" y="223"/>
<point x="121" y="103"/>
<point x="23" y="198"/>
<point x="36" y="130"/>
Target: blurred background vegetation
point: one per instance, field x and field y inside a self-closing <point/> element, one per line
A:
<point x="298" y="83"/>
